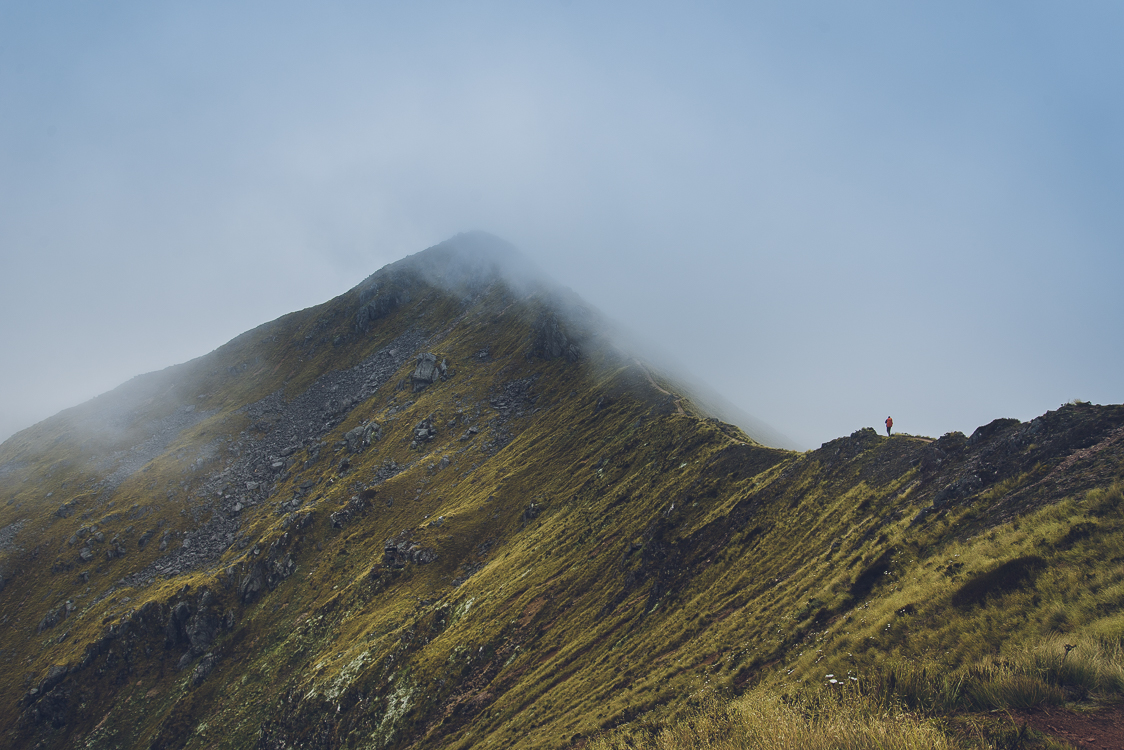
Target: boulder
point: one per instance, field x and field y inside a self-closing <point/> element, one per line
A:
<point x="424" y="431"/>
<point x="361" y="437"/>
<point x="428" y="371"/>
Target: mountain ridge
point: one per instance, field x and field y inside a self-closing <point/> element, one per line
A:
<point x="438" y="511"/>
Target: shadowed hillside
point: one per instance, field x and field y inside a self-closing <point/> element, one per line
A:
<point x="442" y="510"/>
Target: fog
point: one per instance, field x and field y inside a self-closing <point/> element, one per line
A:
<point x="830" y="214"/>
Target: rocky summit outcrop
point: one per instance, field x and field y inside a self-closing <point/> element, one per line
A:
<point x="441" y="511"/>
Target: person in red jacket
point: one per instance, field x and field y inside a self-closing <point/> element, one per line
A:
<point x="889" y="425"/>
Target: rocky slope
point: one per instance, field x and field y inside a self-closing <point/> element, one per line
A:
<point x="441" y="511"/>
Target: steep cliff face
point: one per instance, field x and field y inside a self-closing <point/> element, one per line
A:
<point x="441" y="511"/>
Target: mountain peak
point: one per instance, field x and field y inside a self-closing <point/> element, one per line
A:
<point x="464" y="264"/>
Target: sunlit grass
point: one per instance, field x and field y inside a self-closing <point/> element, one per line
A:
<point x="902" y="705"/>
<point x="762" y="719"/>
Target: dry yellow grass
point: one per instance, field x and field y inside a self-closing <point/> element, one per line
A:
<point x="761" y="719"/>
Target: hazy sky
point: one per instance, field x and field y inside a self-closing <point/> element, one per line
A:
<point x="834" y="211"/>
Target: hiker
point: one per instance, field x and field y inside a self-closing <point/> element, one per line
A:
<point x="889" y="425"/>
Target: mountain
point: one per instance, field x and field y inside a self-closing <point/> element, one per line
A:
<point x="445" y="509"/>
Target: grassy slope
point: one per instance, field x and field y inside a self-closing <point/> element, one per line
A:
<point x="667" y="556"/>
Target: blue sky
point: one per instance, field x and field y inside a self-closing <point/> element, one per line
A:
<point x="831" y="213"/>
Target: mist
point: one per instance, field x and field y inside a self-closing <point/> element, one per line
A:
<point x="828" y="214"/>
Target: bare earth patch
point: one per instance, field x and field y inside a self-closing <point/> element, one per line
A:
<point x="1103" y="729"/>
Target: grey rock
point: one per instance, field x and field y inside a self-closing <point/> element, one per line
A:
<point x="252" y="583"/>
<point x="54" y="676"/>
<point x="201" y="630"/>
<point x="424" y="431"/>
<point x="205" y="666"/>
<point x="359" y="438"/>
<point x="175" y="631"/>
<point x="50" y="619"/>
<point x="355" y="506"/>
<point x="398" y="552"/>
<point x="428" y="371"/>
<point x="381" y="300"/>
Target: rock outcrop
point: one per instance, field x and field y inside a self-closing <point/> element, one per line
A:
<point x="362" y="436"/>
<point x="428" y="371"/>
<point x="381" y="300"/>
<point x="550" y="341"/>
<point x="401" y="550"/>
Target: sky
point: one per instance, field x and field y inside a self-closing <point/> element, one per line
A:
<point x="832" y="212"/>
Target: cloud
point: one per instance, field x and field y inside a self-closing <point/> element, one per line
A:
<point x="860" y="210"/>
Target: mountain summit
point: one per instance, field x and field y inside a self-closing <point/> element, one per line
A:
<point x="445" y="510"/>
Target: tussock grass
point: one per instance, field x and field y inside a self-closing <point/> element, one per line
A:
<point x="904" y="704"/>
<point x="1092" y="665"/>
<point x="1049" y="673"/>
<point x="763" y="719"/>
